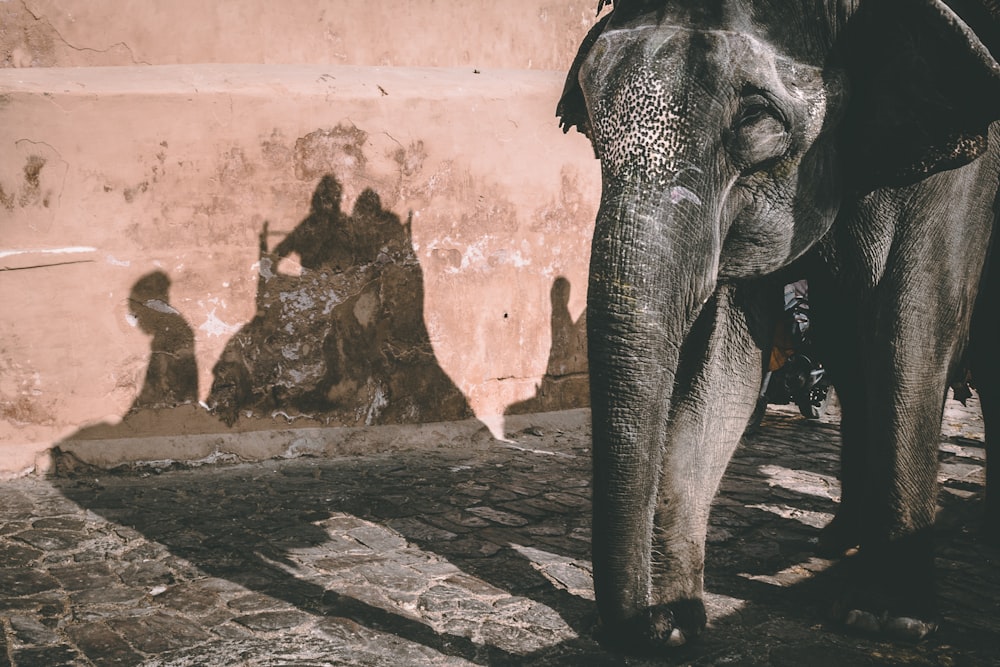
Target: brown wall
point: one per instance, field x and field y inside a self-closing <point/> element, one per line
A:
<point x="192" y="251"/>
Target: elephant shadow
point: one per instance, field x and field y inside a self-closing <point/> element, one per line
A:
<point x="340" y="341"/>
<point x="344" y="341"/>
<point x="514" y="525"/>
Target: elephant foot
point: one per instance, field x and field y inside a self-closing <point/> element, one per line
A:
<point x="890" y="597"/>
<point x="839" y="538"/>
<point x="901" y="628"/>
<point x="880" y="613"/>
<point x="991" y="522"/>
<point x="655" y="630"/>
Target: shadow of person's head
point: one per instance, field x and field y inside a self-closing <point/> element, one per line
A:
<point x="327" y="196"/>
<point x="560" y="293"/>
<point x="149" y="302"/>
<point x="171" y="376"/>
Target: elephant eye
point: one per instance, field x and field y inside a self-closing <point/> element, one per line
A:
<point x="754" y="106"/>
<point x="758" y="135"/>
<point x="755" y="111"/>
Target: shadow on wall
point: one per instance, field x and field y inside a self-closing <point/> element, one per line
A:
<point x="172" y="374"/>
<point x="171" y="380"/>
<point x="344" y="342"/>
<point x="565" y="384"/>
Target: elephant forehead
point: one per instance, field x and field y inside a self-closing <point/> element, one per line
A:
<point x="659" y="96"/>
<point x="653" y="91"/>
<point x="642" y="124"/>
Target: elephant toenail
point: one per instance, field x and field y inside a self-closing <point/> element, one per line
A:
<point x="862" y="621"/>
<point x="909" y="628"/>
<point x="676" y="638"/>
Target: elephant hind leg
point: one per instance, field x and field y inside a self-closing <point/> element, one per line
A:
<point x="891" y="592"/>
<point x="985" y="362"/>
<point x="836" y="330"/>
<point x="990" y="403"/>
<point x="843" y="534"/>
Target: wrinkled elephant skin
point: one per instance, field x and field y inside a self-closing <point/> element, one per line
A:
<point x="743" y="144"/>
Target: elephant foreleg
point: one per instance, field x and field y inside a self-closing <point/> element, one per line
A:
<point x="836" y="323"/>
<point x="720" y="366"/>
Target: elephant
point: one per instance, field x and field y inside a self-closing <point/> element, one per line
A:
<point x="744" y="144"/>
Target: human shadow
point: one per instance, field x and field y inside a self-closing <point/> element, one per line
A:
<point x="565" y="383"/>
<point x="344" y="342"/>
<point x="170" y="382"/>
<point x="172" y="374"/>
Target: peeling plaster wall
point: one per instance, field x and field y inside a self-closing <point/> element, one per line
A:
<point x="536" y="34"/>
<point x="305" y="245"/>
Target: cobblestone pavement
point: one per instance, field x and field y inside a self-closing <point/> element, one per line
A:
<point x="472" y="552"/>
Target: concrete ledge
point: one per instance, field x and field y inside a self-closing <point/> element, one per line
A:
<point x="165" y="452"/>
<point x="114" y="176"/>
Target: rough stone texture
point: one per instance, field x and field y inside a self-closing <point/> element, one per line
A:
<point x="451" y="554"/>
<point x="174" y="235"/>
<point x="538" y="34"/>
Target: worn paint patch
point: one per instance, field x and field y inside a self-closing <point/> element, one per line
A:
<point x="114" y="261"/>
<point x="22" y="400"/>
<point x="37" y="187"/>
<point x="215" y="326"/>
<point x="339" y="150"/>
<point x="73" y="250"/>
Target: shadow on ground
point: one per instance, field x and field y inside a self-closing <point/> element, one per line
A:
<point x="481" y="553"/>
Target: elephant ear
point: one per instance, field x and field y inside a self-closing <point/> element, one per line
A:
<point x="572" y="108"/>
<point x="924" y="87"/>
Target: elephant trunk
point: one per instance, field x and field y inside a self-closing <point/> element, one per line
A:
<point x="654" y="264"/>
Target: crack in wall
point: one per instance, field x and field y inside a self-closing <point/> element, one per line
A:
<point x="45" y="266"/>
<point x="55" y="31"/>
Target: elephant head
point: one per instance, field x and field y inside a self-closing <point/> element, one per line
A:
<point x="731" y="133"/>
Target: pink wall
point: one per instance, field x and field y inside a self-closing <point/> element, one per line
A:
<point x="514" y="34"/>
<point x="448" y="279"/>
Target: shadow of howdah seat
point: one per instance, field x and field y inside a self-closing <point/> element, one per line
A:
<point x="344" y="341"/>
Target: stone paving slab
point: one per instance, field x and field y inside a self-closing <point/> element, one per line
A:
<point x="446" y="557"/>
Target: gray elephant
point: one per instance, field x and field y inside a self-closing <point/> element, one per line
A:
<point x="743" y="144"/>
